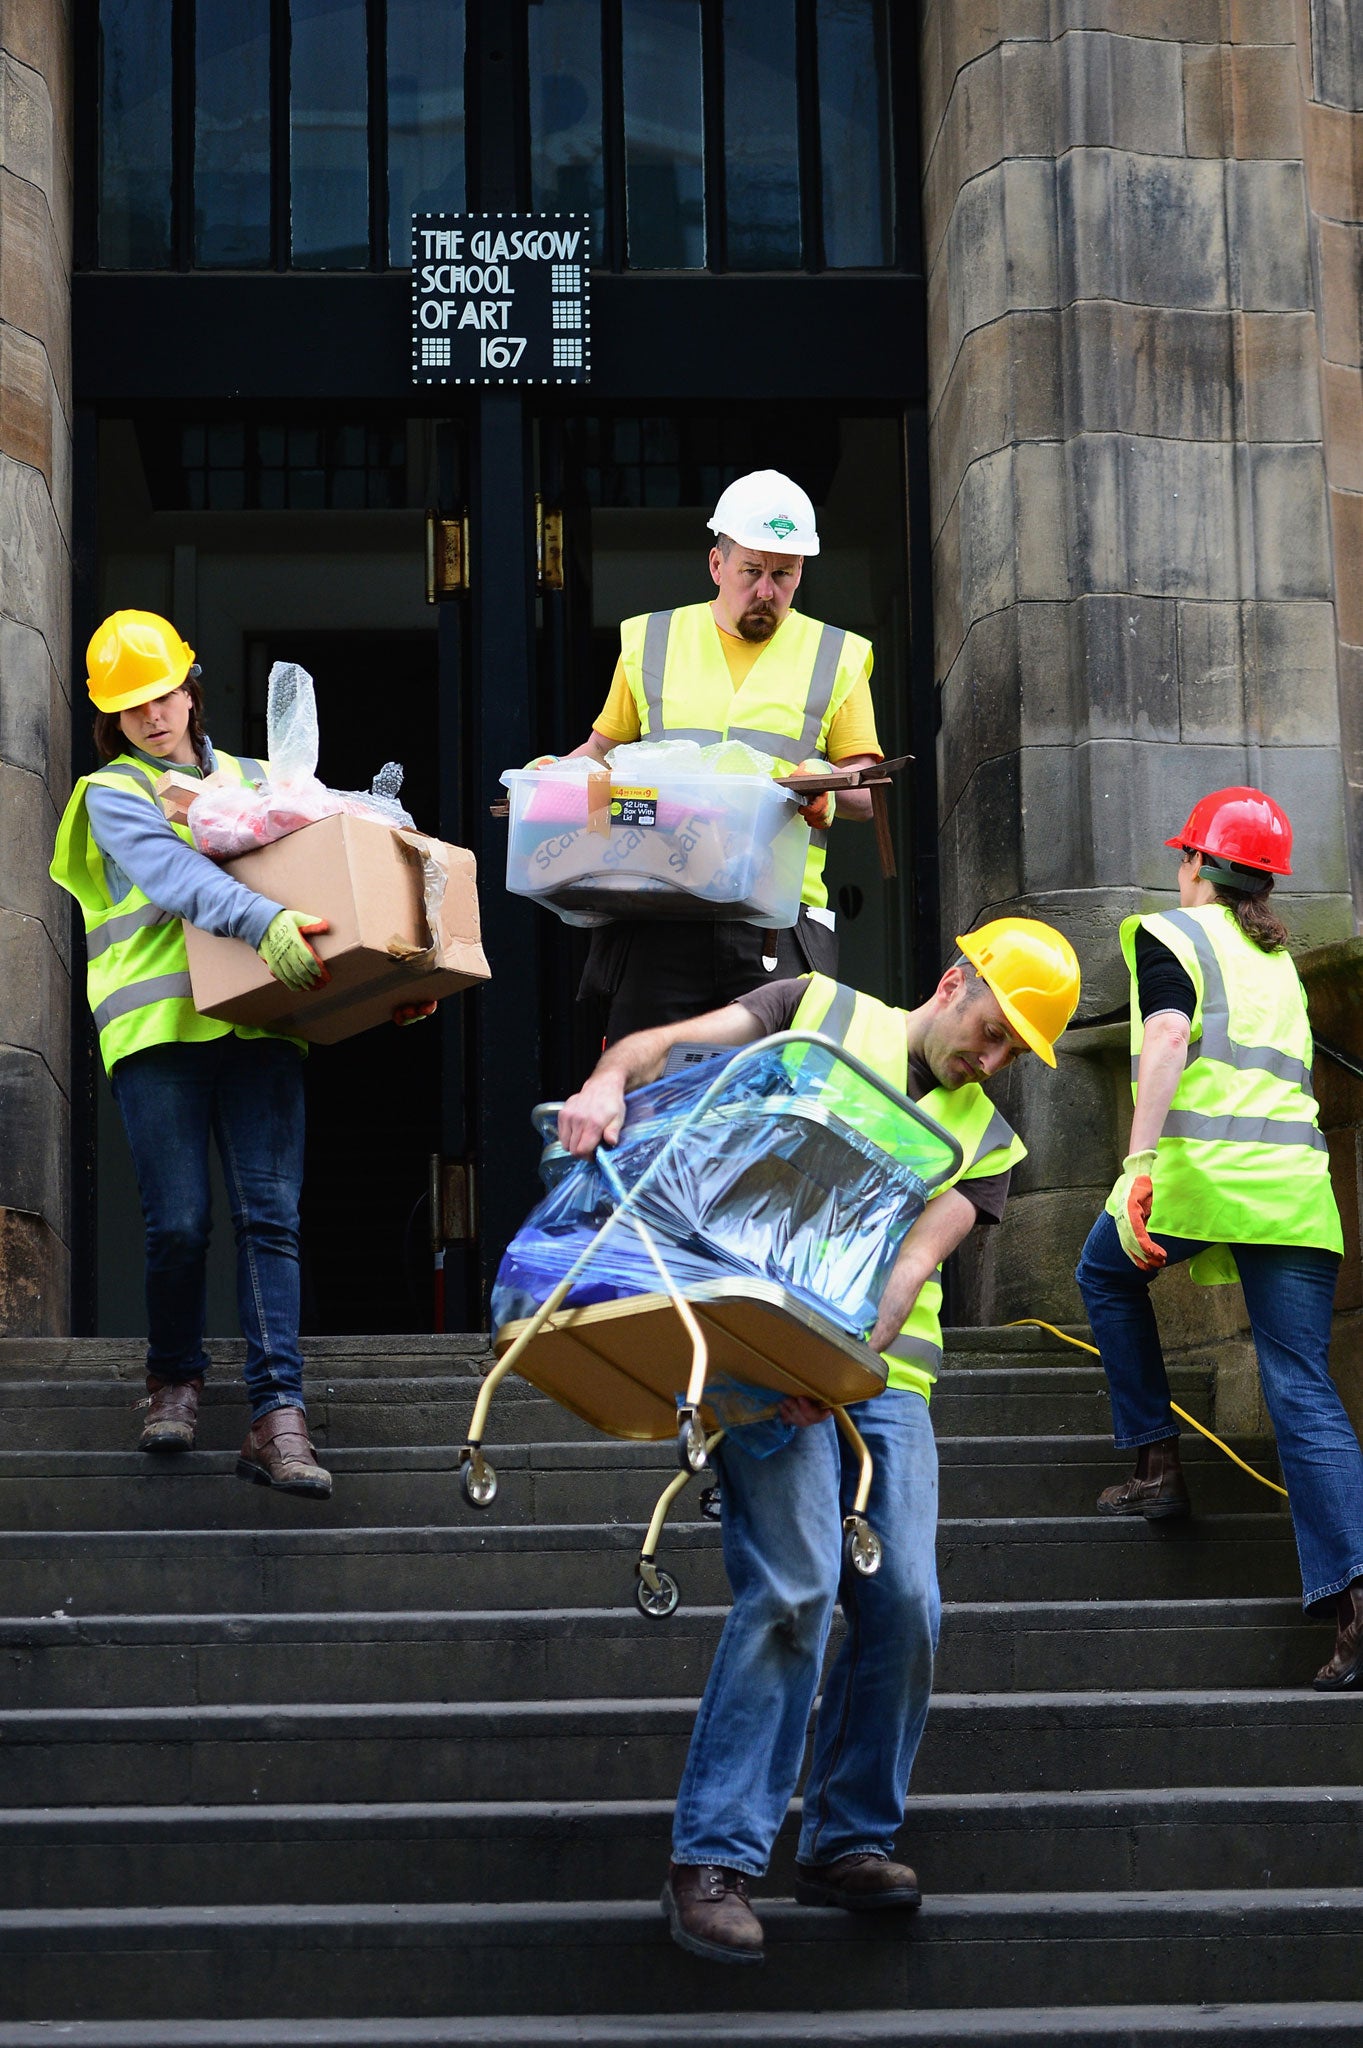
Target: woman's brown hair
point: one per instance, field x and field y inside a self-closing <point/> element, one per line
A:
<point x="1255" y="916"/>
<point x="111" y="740"/>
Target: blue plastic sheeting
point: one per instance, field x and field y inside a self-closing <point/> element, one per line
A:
<point x="799" y="1172"/>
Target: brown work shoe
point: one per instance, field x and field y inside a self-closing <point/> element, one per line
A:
<point x="861" y="1884"/>
<point x="278" y="1452"/>
<point x="1346" y="1663"/>
<point x="708" y="1912"/>
<point x="1156" y="1489"/>
<point x="172" y="1414"/>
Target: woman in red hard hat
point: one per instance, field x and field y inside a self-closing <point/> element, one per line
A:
<point x="1227" y="1167"/>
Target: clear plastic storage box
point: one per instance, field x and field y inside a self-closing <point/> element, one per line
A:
<point x="678" y="845"/>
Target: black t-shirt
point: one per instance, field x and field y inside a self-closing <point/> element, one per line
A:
<point x="1161" y="982"/>
<point x="774" y="1006"/>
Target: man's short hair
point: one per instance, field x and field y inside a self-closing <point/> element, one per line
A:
<point x="725" y="543"/>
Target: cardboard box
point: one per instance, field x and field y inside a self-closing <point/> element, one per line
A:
<point x="403" y="910"/>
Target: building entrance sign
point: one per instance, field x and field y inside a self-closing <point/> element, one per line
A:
<point x="501" y="298"/>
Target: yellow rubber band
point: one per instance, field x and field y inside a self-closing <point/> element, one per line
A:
<point x="1035" y="1322"/>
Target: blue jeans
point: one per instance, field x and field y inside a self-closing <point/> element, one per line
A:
<point x="782" y="1528"/>
<point x="1289" y="1293"/>
<point x="248" y="1092"/>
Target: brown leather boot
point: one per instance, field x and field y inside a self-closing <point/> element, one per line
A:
<point x="708" y="1912"/>
<point x="861" y="1884"/>
<point x="172" y="1414"/>
<point x="278" y="1452"/>
<point x="1346" y="1663"/>
<point x="1156" y="1489"/>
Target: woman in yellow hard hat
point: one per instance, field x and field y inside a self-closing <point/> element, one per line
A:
<point x="176" y="1075"/>
<point x="1227" y="1167"/>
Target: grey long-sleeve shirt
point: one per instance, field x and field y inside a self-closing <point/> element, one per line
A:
<point x="141" y="849"/>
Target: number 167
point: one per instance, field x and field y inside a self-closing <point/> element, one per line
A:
<point x="501" y="351"/>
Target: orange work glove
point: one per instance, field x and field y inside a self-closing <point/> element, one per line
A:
<point x="1129" y="1206"/>
<point x="818" y="812"/>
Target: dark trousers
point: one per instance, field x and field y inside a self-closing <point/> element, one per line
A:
<point x="661" y="973"/>
<point x="247" y="1094"/>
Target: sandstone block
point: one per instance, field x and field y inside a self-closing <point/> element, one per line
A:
<point x="1147" y="229"/>
<point x="35" y="1278"/>
<point x="31" y="144"/>
<point x="1308" y="783"/>
<point x="1346" y="521"/>
<point x="1265" y="102"/>
<point x="1334" y="162"/>
<point x="1336" y="46"/>
<point x="1005" y="386"/>
<point x="1051" y="825"/>
<point x="28" y="401"/>
<point x="1342" y="391"/>
<point x="35" y="569"/>
<point x="25" y="850"/>
<point x="981" y="702"/>
<point x="1291" y="539"/>
<point x="1179" y="21"/>
<point x="1025" y="1267"/>
<point x="1211" y="664"/>
<point x="989" y="535"/>
<point x="1270" y="250"/>
<point x="35" y="993"/>
<point x="35" y="1118"/>
<point x="1125" y="655"/>
<point x="1000" y="249"/>
<point x="1341" y="291"/>
<point x="1153" y="516"/>
<point x="1279" y="364"/>
<point x="1290" y="653"/>
<point x="35" y="290"/>
<point x="982" y="842"/>
<point x="1120" y="91"/>
<point x="1152" y="370"/>
<point x="1207" y="116"/>
<point x="947" y="624"/>
<point x="1350" y="661"/>
<point x="38" y="34"/>
<point x="1067" y="1117"/>
<point x="34" y="715"/>
<point x="1262" y="21"/>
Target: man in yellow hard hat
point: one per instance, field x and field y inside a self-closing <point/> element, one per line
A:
<point x="1013" y="991"/>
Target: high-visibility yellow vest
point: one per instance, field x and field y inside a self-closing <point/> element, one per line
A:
<point x="675" y="667"/>
<point x="1242" y="1159"/>
<point x="876" y="1034"/>
<point x="137" y="973"/>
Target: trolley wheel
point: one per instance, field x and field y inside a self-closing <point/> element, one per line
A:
<point x="660" y="1601"/>
<point x="862" y="1549"/>
<point x="710" y="1504"/>
<point x="479" y="1481"/>
<point x="690" y="1442"/>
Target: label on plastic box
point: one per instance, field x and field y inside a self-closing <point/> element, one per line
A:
<point x="633" y="806"/>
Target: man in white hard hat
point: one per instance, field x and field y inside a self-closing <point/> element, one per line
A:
<point x="745" y="666"/>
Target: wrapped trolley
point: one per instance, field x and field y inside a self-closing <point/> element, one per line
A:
<point x="728" y="1252"/>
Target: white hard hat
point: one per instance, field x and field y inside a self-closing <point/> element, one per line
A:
<point x="766" y="510"/>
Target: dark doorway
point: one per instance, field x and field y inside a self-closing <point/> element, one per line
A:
<point x="374" y="1102"/>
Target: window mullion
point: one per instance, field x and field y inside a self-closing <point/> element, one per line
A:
<point x="712" y="114"/>
<point x="376" y="15"/>
<point x="281" y="250"/>
<point x="809" y="143"/>
<point x="182" y="134"/>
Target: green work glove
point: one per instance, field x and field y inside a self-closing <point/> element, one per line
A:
<point x="286" y="952"/>
<point x="540" y="761"/>
<point x="1129" y="1206"/>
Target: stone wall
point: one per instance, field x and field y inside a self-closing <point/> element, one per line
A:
<point x="35" y="713"/>
<point x="1133" y="567"/>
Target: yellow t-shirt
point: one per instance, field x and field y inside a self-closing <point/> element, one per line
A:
<point x="852" y="731"/>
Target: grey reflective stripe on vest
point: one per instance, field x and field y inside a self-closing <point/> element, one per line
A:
<point x="782" y="746"/>
<point x="1242" y="1130"/>
<point x="825" y="674"/>
<point x="115" y="929"/>
<point x="997" y="1133"/>
<point x="914" y="1351"/>
<point x="703" y="735"/>
<point x="656" y="635"/>
<point x="1216" y="1042"/>
<point x="161" y="988"/>
<point x="133" y="774"/>
<point x="838" y="1021"/>
<point x="253" y="770"/>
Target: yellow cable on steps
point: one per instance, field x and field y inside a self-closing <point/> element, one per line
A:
<point x="1035" y="1322"/>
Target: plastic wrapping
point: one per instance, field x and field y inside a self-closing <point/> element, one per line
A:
<point x="667" y="829"/>
<point x="234" y="817"/>
<point x="799" y="1172"/>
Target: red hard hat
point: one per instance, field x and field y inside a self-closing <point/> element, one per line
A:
<point x="1240" y="825"/>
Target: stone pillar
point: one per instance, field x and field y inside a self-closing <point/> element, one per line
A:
<point x="1132" y="564"/>
<point x="35" y="712"/>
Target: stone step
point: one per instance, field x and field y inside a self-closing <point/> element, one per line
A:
<point x="434" y="1407"/>
<point x="481" y="1563"/>
<point x="615" y="1957"/>
<point x="1274" y="1838"/>
<point x="1319" y="2024"/>
<point x="167" y="1662"/>
<point x="598" y="1479"/>
<point x="604" y="1749"/>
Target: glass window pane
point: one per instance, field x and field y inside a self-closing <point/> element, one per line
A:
<point x="566" y="172"/>
<point x="232" y="133"/>
<point x="134" y="134"/>
<point x="854" y="134"/>
<point x="664" y="135"/>
<point x="425" y="116"/>
<point x="329" y="135"/>
<point x="761" y="145"/>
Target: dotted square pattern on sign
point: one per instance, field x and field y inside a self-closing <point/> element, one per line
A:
<point x="567" y="312"/>
<point x="435" y="351"/>
<point x="565" y="277"/>
<point x="567" y="353"/>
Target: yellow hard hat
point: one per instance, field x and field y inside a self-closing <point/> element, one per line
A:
<point x="1033" y="972"/>
<point x="134" y="657"/>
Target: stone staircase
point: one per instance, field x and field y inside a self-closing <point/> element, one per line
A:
<point x="387" y="1771"/>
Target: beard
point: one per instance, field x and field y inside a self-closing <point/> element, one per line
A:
<point x="758" y="623"/>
